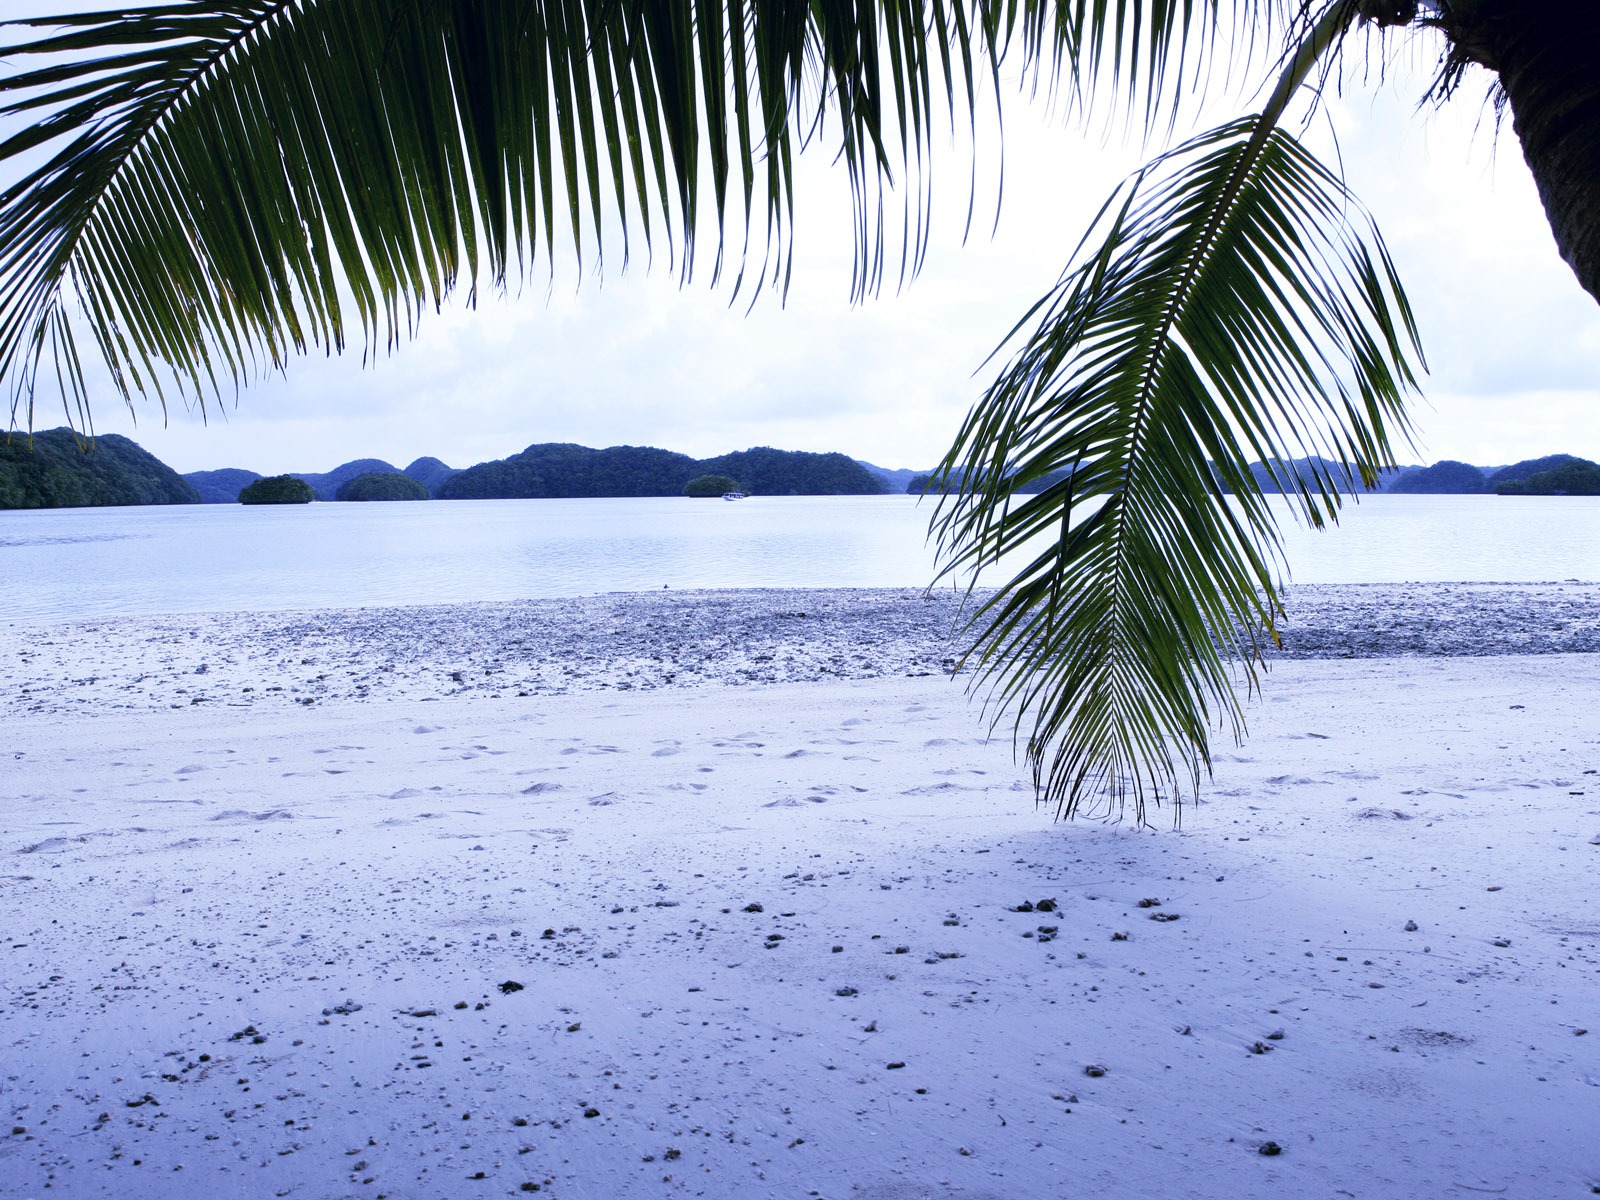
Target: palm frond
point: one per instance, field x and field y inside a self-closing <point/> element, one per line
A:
<point x="227" y="183"/>
<point x="1146" y="57"/>
<point x="211" y="186"/>
<point x="1237" y="306"/>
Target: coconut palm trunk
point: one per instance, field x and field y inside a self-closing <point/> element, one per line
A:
<point x="1546" y="54"/>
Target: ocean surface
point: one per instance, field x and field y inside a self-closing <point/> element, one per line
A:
<point x="68" y="564"/>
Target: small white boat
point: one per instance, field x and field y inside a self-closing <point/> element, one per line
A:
<point x="733" y="495"/>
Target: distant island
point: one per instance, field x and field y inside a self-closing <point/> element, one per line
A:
<point x="1552" y="475"/>
<point x="1464" y="479"/>
<point x="559" y="470"/>
<point x="276" y="489"/>
<point x="381" y="485"/>
<point x="60" y="469"/>
<point x="223" y="486"/>
<point x="1574" y="477"/>
<point x="562" y="470"/>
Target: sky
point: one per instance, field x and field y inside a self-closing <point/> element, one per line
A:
<point x="631" y="357"/>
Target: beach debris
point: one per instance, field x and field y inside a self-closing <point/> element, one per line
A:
<point x="1045" y="905"/>
<point x="1261" y="1048"/>
<point x="1411" y="926"/>
<point x="1501" y="942"/>
<point x="894" y="1066"/>
<point x="846" y="991"/>
<point x="1275" y="1036"/>
<point x="1269" y="1149"/>
<point x="1027" y="905"/>
<point x="1094" y="1070"/>
<point x="1164" y="916"/>
<point x="753" y="907"/>
<point x="591" y="1111"/>
<point x="506" y="988"/>
<point x="1120" y="935"/>
<point x="342" y="1009"/>
<point x="1150" y="902"/>
<point x="574" y="1027"/>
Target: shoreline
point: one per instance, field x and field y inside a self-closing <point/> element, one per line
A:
<point x="642" y="641"/>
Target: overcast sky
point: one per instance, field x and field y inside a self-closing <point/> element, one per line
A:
<point x="630" y="357"/>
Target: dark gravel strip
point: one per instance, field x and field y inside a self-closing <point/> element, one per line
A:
<point x="1440" y="620"/>
<point x="643" y="641"/>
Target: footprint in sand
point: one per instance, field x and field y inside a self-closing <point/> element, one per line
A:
<point x="934" y="789"/>
<point x="794" y="802"/>
<point x="239" y="814"/>
<point x="53" y="843"/>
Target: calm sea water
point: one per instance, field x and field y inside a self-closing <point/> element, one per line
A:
<point x="64" y="564"/>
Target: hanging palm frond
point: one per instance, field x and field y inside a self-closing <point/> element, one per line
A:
<point x="1237" y="307"/>
<point x="211" y="186"/>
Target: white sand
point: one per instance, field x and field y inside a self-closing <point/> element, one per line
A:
<point x="254" y="947"/>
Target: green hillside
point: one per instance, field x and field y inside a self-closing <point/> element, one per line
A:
<point x="559" y="470"/>
<point x="59" y="469"/>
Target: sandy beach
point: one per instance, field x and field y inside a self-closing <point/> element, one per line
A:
<point x="729" y="895"/>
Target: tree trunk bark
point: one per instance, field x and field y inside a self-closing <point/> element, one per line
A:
<point x="1547" y="55"/>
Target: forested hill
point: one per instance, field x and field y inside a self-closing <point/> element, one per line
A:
<point x="325" y="483"/>
<point x="58" y="469"/>
<point x="554" y="470"/>
<point x="223" y="485"/>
